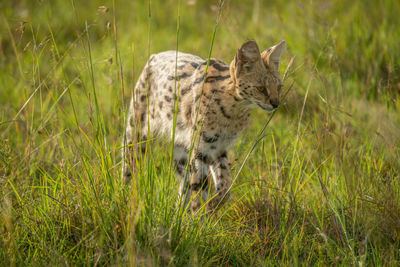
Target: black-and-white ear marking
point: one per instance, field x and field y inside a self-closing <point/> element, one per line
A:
<point x="247" y="54"/>
<point x="272" y="55"/>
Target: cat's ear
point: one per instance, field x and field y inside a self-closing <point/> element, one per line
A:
<point x="272" y="55"/>
<point x="246" y="56"/>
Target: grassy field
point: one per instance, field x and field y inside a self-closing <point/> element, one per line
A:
<point x="320" y="188"/>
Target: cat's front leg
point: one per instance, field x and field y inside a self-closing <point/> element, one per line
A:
<point x="198" y="179"/>
<point x="222" y="181"/>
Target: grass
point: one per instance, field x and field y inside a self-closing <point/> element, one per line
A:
<point x="321" y="188"/>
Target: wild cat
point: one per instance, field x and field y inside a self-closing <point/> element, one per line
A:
<point x="213" y="107"/>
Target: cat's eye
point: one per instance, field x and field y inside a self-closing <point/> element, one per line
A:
<point x="263" y="90"/>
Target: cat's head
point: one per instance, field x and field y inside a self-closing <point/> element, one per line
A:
<point x="256" y="74"/>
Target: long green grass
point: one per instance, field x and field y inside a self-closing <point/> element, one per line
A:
<point x="320" y="188"/>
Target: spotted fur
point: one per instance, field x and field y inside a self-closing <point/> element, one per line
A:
<point x="214" y="107"/>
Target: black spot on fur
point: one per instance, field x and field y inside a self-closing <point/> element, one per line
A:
<point x="195" y="186"/>
<point x="193" y="166"/>
<point x="142" y="117"/>
<point x="220" y="67"/>
<point x="182" y="147"/>
<point x="131" y="121"/>
<point x="214" y="90"/>
<point x="198" y="80"/>
<point x="184" y="91"/>
<point x="212" y="79"/>
<point x="209" y="139"/>
<point x="188" y="113"/>
<point x="179" y="169"/>
<point x="179" y="77"/>
<point x="167" y="98"/>
<point x="212" y="62"/>
<point x="204" y="158"/>
<point x="203" y="184"/>
<point x="205" y="62"/>
<point x="180" y="125"/>
<point x="143" y="98"/>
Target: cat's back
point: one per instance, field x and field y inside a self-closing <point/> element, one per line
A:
<point x="169" y="61"/>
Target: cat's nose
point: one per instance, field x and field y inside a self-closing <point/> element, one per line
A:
<point x="274" y="103"/>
